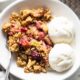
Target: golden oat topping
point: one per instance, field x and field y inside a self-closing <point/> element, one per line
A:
<point x="27" y="37"/>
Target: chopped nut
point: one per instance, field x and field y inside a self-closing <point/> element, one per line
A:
<point x="26" y="70"/>
<point x="17" y="35"/>
<point x="25" y="13"/>
<point x="20" y="62"/>
<point x="38" y="13"/>
<point x="27" y="21"/>
<point x="30" y="63"/>
<point x="37" y="68"/>
<point x="47" y="40"/>
<point x="14" y="48"/>
<point x="47" y="15"/>
<point x="11" y="41"/>
<point x="28" y="52"/>
<point x="6" y="27"/>
<point x="44" y="27"/>
<point x="44" y="70"/>
<point x="17" y="24"/>
<point x="14" y="16"/>
<point x="23" y="56"/>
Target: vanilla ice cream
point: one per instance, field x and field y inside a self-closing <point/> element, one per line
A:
<point x="61" y="57"/>
<point x="60" y="29"/>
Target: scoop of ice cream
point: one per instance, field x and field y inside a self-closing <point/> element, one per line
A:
<point x="61" y="57"/>
<point x="60" y="29"/>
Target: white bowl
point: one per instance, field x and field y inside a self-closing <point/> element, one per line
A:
<point x="58" y="9"/>
<point x="4" y="3"/>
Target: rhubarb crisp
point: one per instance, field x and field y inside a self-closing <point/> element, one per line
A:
<point x="27" y="38"/>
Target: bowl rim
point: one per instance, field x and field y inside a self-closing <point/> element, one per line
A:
<point x="18" y="1"/>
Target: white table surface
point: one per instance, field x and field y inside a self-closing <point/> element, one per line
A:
<point x="75" y="76"/>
